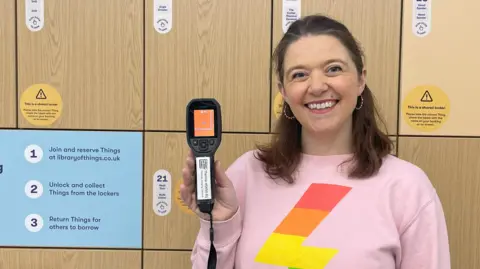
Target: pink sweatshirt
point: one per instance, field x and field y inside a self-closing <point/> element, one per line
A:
<point x="326" y="221"/>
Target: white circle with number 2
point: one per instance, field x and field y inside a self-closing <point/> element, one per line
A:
<point x="33" y="189"/>
<point x="34" y="223"/>
<point x="33" y="153"/>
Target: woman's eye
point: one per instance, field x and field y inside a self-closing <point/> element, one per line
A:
<point x="335" y="69"/>
<point x="298" y="75"/>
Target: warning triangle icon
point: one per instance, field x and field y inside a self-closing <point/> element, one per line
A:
<point x="41" y="95"/>
<point x="426" y="97"/>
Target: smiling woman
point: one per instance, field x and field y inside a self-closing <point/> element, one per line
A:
<point x="329" y="109"/>
<point x="381" y="212"/>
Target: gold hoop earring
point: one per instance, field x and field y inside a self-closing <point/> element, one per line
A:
<point x="361" y="103"/>
<point x="285" y="113"/>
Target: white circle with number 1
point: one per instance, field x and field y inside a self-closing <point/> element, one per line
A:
<point x="34" y="223"/>
<point x="33" y="153"/>
<point x="33" y="189"/>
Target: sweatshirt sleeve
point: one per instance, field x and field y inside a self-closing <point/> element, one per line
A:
<point x="226" y="233"/>
<point x="226" y="236"/>
<point x="425" y="241"/>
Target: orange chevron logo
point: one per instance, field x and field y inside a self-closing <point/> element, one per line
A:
<point x="285" y="246"/>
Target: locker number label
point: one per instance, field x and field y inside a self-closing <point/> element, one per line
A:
<point x="162" y="16"/>
<point x="422" y="17"/>
<point x="291" y="11"/>
<point x="34" y="15"/>
<point x="162" y="192"/>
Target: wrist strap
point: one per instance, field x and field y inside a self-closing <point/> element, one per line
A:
<point x="212" y="257"/>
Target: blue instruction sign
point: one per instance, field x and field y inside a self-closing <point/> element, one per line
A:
<point x="71" y="189"/>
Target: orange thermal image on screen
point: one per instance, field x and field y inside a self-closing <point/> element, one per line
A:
<point x="204" y="122"/>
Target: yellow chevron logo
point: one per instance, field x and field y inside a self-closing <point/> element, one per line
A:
<point x="285" y="246"/>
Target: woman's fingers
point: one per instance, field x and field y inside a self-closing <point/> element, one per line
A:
<point x="187" y="177"/>
<point x="187" y="172"/>
<point x="187" y="197"/>
<point x="190" y="161"/>
<point x="193" y="202"/>
<point x="187" y="189"/>
<point x="185" y="194"/>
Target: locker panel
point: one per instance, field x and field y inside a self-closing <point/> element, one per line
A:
<point x="376" y="25"/>
<point x="168" y="151"/>
<point x="167" y="260"/>
<point x="395" y="148"/>
<point x="214" y="49"/>
<point x="7" y="64"/>
<point x="438" y="37"/>
<point x="452" y="165"/>
<point x="88" y="61"/>
<point x="69" y="259"/>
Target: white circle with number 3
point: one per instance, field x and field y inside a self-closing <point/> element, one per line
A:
<point x="33" y="153"/>
<point x="34" y="223"/>
<point x="33" y="189"/>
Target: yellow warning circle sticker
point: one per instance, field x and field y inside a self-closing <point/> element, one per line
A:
<point x="41" y="104"/>
<point x="178" y="199"/>
<point x="426" y="108"/>
<point x="278" y="105"/>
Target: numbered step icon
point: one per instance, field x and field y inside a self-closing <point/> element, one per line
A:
<point x="33" y="153"/>
<point x="33" y="189"/>
<point x="34" y="223"/>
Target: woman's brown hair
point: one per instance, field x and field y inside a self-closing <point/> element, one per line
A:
<point x="371" y="145"/>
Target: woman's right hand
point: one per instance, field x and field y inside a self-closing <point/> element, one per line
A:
<point x="226" y="203"/>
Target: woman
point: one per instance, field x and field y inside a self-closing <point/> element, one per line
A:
<point x="325" y="193"/>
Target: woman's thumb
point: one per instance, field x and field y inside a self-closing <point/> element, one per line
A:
<point x="220" y="176"/>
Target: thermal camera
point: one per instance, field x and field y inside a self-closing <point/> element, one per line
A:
<point x="204" y="135"/>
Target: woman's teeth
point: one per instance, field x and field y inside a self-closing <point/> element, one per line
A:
<point x="323" y="105"/>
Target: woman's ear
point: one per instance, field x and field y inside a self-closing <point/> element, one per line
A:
<point x="362" y="82"/>
<point x="282" y="91"/>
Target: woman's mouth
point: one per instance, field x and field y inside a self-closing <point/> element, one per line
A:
<point x="322" y="107"/>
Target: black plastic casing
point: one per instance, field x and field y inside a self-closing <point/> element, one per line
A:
<point x="204" y="146"/>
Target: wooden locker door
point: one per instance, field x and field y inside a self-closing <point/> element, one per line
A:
<point x="216" y="49"/>
<point x="168" y="151"/>
<point x="167" y="260"/>
<point x="69" y="259"/>
<point x="452" y="165"/>
<point x="395" y="148"/>
<point x="436" y="97"/>
<point x="91" y="53"/>
<point x="7" y="64"/>
<point x="376" y="24"/>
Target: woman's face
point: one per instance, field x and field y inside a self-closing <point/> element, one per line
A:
<point x="321" y="84"/>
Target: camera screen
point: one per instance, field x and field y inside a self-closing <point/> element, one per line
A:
<point x="204" y="123"/>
